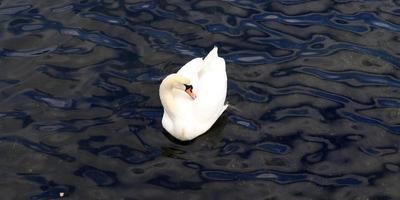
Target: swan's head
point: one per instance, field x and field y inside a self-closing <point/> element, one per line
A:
<point x="180" y="83"/>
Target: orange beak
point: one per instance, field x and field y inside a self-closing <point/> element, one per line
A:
<point x="189" y="91"/>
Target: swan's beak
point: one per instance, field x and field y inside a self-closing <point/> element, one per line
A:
<point x="189" y="91"/>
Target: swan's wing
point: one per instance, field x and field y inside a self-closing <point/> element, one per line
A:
<point x="167" y="122"/>
<point x="213" y="62"/>
<point x="212" y="88"/>
<point x="203" y="127"/>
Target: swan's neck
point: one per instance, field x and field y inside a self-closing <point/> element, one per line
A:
<point x="167" y="96"/>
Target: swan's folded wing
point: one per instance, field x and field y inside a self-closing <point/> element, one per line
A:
<point x="213" y="62"/>
<point x="212" y="87"/>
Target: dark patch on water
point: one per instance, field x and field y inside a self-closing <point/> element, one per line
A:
<point x="314" y="90"/>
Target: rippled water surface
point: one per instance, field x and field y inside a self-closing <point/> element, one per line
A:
<point x="313" y="88"/>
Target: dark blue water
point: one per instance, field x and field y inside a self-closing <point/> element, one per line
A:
<point x="314" y="89"/>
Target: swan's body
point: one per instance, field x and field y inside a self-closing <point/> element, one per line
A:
<point x="188" y="115"/>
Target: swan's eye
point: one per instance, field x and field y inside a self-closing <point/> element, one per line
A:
<point x="188" y="87"/>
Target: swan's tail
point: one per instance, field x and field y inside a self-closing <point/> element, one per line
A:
<point x="224" y="108"/>
<point x="212" y="60"/>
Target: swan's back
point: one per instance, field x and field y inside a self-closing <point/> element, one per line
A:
<point x="208" y="77"/>
<point x="212" y="87"/>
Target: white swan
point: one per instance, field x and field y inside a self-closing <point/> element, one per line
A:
<point x="194" y="97"/>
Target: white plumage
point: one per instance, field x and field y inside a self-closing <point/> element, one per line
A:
<point x="185" y="117"/>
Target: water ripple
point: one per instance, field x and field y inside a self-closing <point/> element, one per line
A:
<point x="14" y="9"/>
<point x="100" y="177"/>
<point x="38" y="147"/>
<point x="122" y="152"/>
<point x="284" y="178"/>
<point x="51" y="190"/>
<point x="313" y="89"/>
